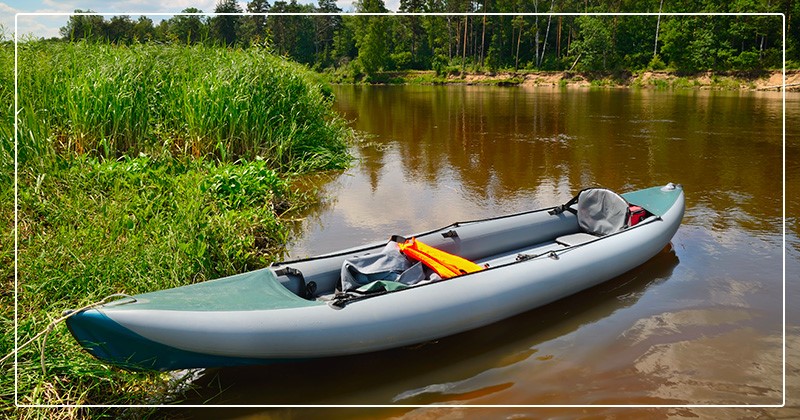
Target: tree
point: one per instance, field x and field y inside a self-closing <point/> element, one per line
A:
<point x="84" y="26"/>
<point x="658" y="24"/>
<point x="344" y="41"/>
<point x="292" y="35"/>
<point x="254" y="27"/>
<point x="372" y="36"/>
<point x="325" y="26"/>
<point x="750" y="36"/>
<point x="413" y="36"/>
<point x="189" y="29"/>
<point x="595" y="46"/>
<point x="372" y="44"/>
<point x="696" y="43"/>
<point x="143" y="30"/>
<point x="119" y="30"/>
<point x="594" y="43"/>
<point x="225" y="28"/>
<point x="435" y="42"/>
<point x="540" y="57"/>
<point x="634" y="41"/>
<point x="500" y="50"/>
<point x="704" y="50"/>
<point x="792" y="10"/>
<point x="483" y="34"/>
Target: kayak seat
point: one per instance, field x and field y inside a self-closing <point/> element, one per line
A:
<point x="600" y="212"/>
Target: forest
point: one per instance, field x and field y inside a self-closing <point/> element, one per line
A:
<point x="474" y="43"/>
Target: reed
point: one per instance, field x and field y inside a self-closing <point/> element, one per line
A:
<point x="111" y="101"/>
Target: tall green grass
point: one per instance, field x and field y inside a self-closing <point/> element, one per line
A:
<point x="142" y="168"/>
<point x="199" y="100"/>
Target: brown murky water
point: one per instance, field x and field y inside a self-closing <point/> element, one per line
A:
<point x="700" y="324"/>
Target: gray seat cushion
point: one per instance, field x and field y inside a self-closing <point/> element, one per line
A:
<point x="601" y="211"/>
<point x="575" y="239"/>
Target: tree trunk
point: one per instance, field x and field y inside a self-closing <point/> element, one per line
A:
<point x="576" y="62"/>
<point x="483" y="36"/>
<point x="516" y="60"/>
<point x="658" y="23"/>
<point x="536" y="37"/>
<point x="546" y="33"/>
<point x="558" y="38"/>
<point x="569" y="38"/>
<point x="464" y="50"/>
<point x="449" y="39"/>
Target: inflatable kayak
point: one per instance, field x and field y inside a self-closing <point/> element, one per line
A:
<point x="404" y="291"/>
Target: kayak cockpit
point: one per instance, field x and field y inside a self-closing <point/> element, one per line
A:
<point x="591" y="215"/>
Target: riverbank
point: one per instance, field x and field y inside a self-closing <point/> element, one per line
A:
<point x="765" y="80"/>
<point x="140" y="168"/>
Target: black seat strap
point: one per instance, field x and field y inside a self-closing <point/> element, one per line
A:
<point x="567" y="206"/>
<point x="397" y="238"/>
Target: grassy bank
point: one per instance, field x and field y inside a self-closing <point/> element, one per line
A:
<point x="142" y="168"/>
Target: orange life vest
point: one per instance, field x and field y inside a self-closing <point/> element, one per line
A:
<point x="444" y="264"/>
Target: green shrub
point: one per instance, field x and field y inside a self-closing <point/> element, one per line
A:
<point x="656" y="63"/>
<point x="247" y="185"/>
<point x="401" y="60"/>
<point x="747" y="60"/>
<point x="682" y="83"/>
<point x="659" y="83"/>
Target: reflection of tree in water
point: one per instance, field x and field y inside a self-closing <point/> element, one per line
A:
<point x="491" y="138"/>
<point x="499" y="142"/>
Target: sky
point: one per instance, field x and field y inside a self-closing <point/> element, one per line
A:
<point x="48" y="26"/>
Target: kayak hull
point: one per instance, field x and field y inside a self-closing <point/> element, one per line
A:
<point x="259" y="317"/>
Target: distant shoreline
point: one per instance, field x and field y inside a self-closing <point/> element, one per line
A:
<point x="755" y="81"/>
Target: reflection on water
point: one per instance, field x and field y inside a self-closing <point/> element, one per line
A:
<point x="698" y="324"/>
<point x="440" y="154"/>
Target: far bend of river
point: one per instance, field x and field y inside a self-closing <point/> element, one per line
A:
<point x="698" y="325"/>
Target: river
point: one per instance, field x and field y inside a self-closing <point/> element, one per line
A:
<point x="699" y="324"/>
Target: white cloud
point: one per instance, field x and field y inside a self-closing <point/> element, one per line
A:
<point x="40" y="26"/>
<point x="7" y="10"/>
<point x="392" y="5"/>
<point x="60" y="6"/>
<point x="7" y="20"/>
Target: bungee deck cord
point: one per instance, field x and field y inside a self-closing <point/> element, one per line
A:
<point x="55" y="322"/>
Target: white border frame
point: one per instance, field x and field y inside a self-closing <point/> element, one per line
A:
<point x="439" y="405"/>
